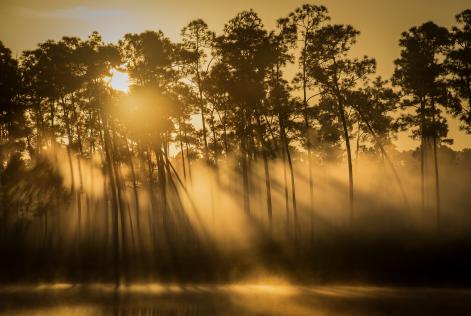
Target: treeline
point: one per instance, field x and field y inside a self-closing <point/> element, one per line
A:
<point x="212" y="97"/>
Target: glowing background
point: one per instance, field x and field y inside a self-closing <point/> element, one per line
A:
<point x="24" y="23"/>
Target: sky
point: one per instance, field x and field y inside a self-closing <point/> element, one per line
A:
<point x="25" y="23"/>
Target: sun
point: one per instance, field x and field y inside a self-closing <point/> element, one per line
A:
<point x="119" y="80"/>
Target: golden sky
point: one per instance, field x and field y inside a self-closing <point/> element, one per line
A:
<point x="24" y="23"/>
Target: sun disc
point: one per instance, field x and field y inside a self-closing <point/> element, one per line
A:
<point x="119" y="80"/>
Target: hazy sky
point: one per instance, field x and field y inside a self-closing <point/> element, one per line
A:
<point x="24" y="23"/>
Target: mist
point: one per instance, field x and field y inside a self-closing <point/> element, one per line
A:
<point x="206" y="235"/>
<point x="253" y="171"/>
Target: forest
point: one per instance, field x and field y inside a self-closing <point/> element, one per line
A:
<point x="246" y="154"/>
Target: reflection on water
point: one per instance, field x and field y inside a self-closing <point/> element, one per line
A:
<point x="196" y="300"/>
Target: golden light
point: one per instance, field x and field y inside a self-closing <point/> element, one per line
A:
<point x="118" y="80"/>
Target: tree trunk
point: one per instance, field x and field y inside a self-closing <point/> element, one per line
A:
<point x="114" y="203"/>
<point x="293" y="185"/>
<point x="349" y="154"/>
<point x="435" y="160"/>
<point x="79" y="165"/>
<point x="226" y="147"/>
<point x="285" y="182"/>
<point x="385" y="155"/>
<point x="69" y="154"/>
<point x="122" y="205"/>
<point x="188" y="155"/>
<point x="358" y="147"/>
<point x="215" y="146"/>
<point x="422" y="156"/>
<point x="245" y="183"/>
<point x="134" y="186"/>
<point x="266" y="168"/>
<point x="162" y="181"/>
<point x="245" y="177"/>
<point x="308" y="144"/>
<point x="181" y="148"/>
<point x="201" y="101"/>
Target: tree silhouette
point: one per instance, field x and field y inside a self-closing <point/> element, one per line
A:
<point x="244" y="47"/>
<point x="197" y="39"/>
<point x="13" y="128"/>
<point x="337" y="74"/>
<point x="458" y="64"/>
<point x="116" y="182"/>
<point x="419" y="72"/>
<point x="304" y="22"/>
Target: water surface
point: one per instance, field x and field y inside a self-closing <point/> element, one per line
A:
<point x="247" y="299"/>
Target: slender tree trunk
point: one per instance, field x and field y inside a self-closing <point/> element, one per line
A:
<point x="114" y="203"/>
<point x="188" y="158"/>
<point x="245" y="177"/>
<point x="90" y="199"/>
<point x="216" y="157"/>
<point x="122" y="206"/>
<point x="79" y="199"/>
<point x="386" y="156"/>
<point x="52" y="111"/>
<point x="435" y="160"/>
<point x="358" y="147"/>
<point x="39" y="127"/>
<point x="293" y="185"/>
<point x="162" y="181"/>
<point x="308" y="138"/>
<point x="131" y="226"/>
<point x="245" y="182"/>
<point x="72" y="174"/>
<point x="201" y="101"/>
<point x="268" y="189"/>
<point x="422" y="156"/>
<point x="165" y="153"/>
<point x="79" y="194"/>
<point x="79" y="165"/>
<point x="106" y="215"/>
<point x="181" y="148"/>
<point x="349" y="154"/>
<point x="266" y="168"/>
<point x="285" y="182"/>
<point x="226" y="147"/>
<point x="134" y="186"/>
<point x="69" y="154"/>
<point x="154" y="208"/>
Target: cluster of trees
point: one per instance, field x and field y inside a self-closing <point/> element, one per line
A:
<point x="247" y="108"/>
